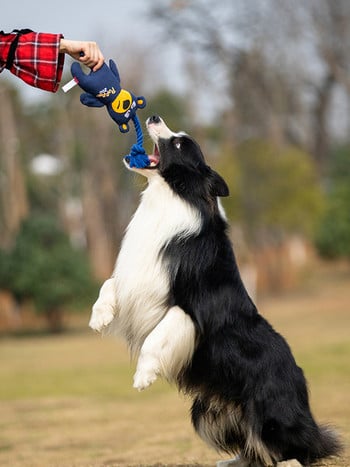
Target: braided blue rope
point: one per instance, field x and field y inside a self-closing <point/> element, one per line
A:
<point x="137" y="157"/>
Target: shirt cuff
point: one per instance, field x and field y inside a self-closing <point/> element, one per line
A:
<point x="38" y="60"/>
<point x="60" y="64"/>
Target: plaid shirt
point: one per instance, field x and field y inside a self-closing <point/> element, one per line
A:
<point x="37" y="60"/>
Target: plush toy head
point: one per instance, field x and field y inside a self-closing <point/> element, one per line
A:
<point x="102" y="87"/>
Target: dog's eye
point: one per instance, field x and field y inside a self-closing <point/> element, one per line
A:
<point x="177" y="144"/>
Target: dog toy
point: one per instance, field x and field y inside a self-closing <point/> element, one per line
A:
<point x="102" y="88"/>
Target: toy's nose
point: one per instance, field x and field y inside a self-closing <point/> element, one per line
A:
<point x="154" y="119"/>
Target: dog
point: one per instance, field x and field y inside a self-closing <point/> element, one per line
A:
<point x="177" y="297"/>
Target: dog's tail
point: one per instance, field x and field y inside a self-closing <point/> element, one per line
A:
<point x="327" y="444"/>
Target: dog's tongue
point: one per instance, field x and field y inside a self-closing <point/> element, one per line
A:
<point x="153" y="158"/>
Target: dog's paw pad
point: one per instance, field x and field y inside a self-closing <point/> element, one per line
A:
<point x="144" y="379"/>
<point x="100" y="319"/>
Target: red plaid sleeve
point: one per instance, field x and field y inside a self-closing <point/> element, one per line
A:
<point x="37" y="59"/>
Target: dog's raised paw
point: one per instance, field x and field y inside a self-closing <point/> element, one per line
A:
<point x="100" y="319"/>
<point x="143" y="379"/>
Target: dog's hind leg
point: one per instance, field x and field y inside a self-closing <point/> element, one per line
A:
<point x="167" y="349"/>
<point x="104" y="308"/>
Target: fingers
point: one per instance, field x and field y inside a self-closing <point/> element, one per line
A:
<point x="93" y="57"/>
<point x="87" y="52"/>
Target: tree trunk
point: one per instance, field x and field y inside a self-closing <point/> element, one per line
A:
<point x="100" y="198"/>
<point x="320" y="114"/>
<point x="55" y="320"/>
<point x="13" y="195"/>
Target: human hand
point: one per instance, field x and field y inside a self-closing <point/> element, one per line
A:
<point x="86" y="52"/>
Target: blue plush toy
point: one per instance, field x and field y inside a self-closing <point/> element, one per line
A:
<point x="102" y="87"/>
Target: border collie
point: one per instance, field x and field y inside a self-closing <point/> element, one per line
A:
<point x="177" y="297"/>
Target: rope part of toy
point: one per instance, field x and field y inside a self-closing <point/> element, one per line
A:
<point x="137" y="157"/>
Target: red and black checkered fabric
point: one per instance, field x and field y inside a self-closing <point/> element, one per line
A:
<point x="37" y="59"/>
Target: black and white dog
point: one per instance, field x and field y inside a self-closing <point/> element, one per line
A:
<point x="177" y="297"/>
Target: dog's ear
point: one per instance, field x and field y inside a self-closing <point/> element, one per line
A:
<point x="218" y="186"/>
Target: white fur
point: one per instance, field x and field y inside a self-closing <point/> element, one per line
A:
<point x="160" y="130"/>
<point x="167" y="349"/>
<point x="134" y="300"/>
<point x="104" y="309"/>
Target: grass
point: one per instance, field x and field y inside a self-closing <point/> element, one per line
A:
<point x="67" y="400"/>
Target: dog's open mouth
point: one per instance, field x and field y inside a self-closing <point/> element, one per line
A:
<point x="154" y="158"/>
<point x="136" y="160"/>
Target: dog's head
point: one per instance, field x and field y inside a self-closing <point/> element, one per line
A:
<point x="179" y="160"/>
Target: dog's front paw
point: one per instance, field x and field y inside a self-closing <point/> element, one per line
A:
<point x="100" y="318"/>
<point x="143" y="379"/>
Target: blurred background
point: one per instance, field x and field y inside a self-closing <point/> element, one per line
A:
<point x="264" y="87"/>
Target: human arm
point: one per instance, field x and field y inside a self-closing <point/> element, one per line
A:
<point x="38" y="58"/>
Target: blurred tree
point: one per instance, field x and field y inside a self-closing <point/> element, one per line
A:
<point x="13" y="195"/>
<point x="330" y="22"/>
<point x="89" y="148"/>
<point x="92" y="173"/>
<point x="333" y="235"/>
<point x="230" y="45"/>
<point x="275" y="191"/>
<point x="276" y="65"/>
<point x="266" y="101"/>
<point x="42" y="266"/>
<point x="172" y="107"/>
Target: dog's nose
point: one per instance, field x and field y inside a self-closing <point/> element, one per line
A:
<point x="154" y="119"/>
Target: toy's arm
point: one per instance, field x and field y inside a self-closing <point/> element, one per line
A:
<point x="81" y="77"/>
<point x="85" y="82"/>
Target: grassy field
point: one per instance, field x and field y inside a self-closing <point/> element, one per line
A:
<point x="67" y="400"/>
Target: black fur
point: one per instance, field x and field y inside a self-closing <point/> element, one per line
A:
<point x="240" y="362"/>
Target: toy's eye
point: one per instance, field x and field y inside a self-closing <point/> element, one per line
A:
<point x="126" y="104"/>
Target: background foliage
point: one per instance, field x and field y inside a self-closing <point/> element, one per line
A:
<point x="43" y="266"/>
<point x="333" y="235"/>
<point x="263" y="87"/>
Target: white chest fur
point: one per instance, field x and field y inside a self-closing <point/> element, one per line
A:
<point x="142" y="283"/>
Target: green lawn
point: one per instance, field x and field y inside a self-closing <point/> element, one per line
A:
<point x="68" y="400"/>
